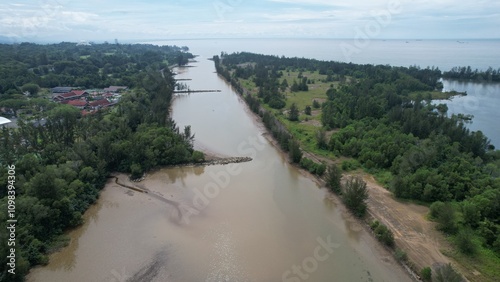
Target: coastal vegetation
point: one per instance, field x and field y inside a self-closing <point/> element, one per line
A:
<point x="466" y="73"/>
<point x="62" y="159"/>
<point x="382" y="119"/>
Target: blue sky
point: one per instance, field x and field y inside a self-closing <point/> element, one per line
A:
<point x="99" y="20"/>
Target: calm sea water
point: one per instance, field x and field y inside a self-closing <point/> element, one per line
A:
<point x="444" y="54"/>
<point x="482" y="101"/>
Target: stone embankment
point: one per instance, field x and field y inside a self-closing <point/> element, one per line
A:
<point x="225" y="161"/>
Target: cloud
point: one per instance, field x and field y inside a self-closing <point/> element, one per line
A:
<point x="99" y="19"/>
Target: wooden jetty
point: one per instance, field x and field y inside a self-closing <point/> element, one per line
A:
<point x="194" y="91"/>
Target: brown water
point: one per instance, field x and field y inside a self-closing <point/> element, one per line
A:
<point x="256" y="221"/>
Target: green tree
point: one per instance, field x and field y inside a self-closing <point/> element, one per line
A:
<point x="333" y="179"/>
<point x="307" y="110"/>
<point x="465" y="241"/>
<point x="294" y="151"/>
<point x="295" y="87"/>
<point x="321" y="141"/>
<point x="136" y="171"/>
<point x="61" y="124"/>
<point x="32" y="88"/>
<point x="293" y="114"/>
<point x="44" y="186"/>
<point x="316" y="104"/>
<point x="188" y="136"/>
<point x="181" y="60"/>
<point x="471" y="213"/>
<point x="447" y="219"/>
<point x="355" y="195"/>
<point x="14" y="104"/>
<point x="435" y="209"/>
<point x="284" y="85"/>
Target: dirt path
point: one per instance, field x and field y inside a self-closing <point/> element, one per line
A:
<point x="413" y="233"/>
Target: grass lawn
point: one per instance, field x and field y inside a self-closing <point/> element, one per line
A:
<point x="304" y="130"/>
<point x="485" y="264"/>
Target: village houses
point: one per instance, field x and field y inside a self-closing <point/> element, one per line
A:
<point x="89" y="100"/>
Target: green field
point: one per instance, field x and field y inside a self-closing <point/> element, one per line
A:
<point x="484" y="263"/>
<point x="305" y="130"/>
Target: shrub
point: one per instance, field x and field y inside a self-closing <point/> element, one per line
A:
<point x="355" y="196"/>
<point x="333" y="179"/>
<point x="384" y="235"/>
<point x="446" y="273"/>
<point x="136" y="171"/>
<point x="316" y="104"/>
<point x="426" y="274"/>
<point x="321" y="141"/>
<point x="349" y="165"/>
<point x="401" y="255"/>
<point x="435" y="209"/>
<point x="312" y="167"/>
<point x="320" y="169"/>
<point x="276" y="103"/>
<point x="198" y="157"/>
<point x="465" y="241"/>
<point x="306" y="163"/>
<point x="374" y="224"/>
<point x="307" y="110"/>
<point x="447" y="219"/>
<point x="294" y="151"/>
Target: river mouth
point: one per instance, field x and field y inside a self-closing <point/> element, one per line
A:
<point x="261" y="220"/>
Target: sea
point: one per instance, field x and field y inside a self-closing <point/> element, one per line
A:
<point x="481" y="101"/>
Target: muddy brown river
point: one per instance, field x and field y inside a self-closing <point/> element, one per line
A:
<point x="261" y="221"/>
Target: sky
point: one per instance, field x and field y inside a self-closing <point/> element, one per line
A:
<point x="126" y="20"/>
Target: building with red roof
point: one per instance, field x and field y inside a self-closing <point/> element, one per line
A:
<point x="98" y="104"/>
<point x="73" y="95"/>
<point x="77" y="103"/>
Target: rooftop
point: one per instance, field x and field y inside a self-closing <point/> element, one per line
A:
<point x="4" y="121"/>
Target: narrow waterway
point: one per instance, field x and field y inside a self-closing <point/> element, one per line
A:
<point x="256" y="221"/>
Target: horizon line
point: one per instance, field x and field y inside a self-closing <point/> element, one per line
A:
<point x="130" y="40"/>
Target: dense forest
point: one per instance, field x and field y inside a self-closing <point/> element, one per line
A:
<point x="59" y="166"/>
<point x="67" y="64"/>
<point x="381" y="120"/>
<point x="466" y="73"/>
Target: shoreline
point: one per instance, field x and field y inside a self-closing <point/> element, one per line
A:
<point x="321" y="184"/>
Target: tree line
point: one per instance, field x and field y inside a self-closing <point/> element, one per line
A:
<point x="62" y="163"/>
<point x="424" y="153"/>
<point x="66" y="64"/>
<point x="466" y="73"/>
